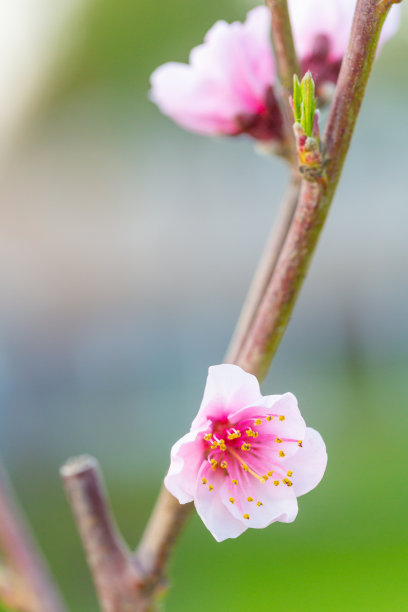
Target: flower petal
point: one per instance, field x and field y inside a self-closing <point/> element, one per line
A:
<point x="308" y="464"/>
<point x="228" y="388"/>
<point x="258" y="504"/>
<point x="187" y="455"/>
<point x="211" y="509"/>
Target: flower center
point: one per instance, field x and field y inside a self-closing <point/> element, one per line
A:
<point x="245" y="451"/>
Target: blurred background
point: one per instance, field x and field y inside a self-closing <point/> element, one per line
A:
<point x="126" y="249"/>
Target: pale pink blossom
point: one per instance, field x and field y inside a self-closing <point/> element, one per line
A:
<point x="228" y="85"/>
<point x="321" y="29"/>
<point x="246" y="458"/>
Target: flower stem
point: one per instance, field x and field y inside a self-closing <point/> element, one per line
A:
<point x="37" y="589"/>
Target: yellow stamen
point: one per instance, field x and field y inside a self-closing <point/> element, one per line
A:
<point x="246" y="446"/>
<point x="259" y="503"/>
<point x="287" y="482"/>
<point x="276" y="482"/>
<point x="300" y="443"/>
<point x="258" y="422"/>
<point x="235" y="482"/>
<point x="204" y="481"/>
<point x="270" y="473"/>
<point x="246" y="516"/>
<point x="279" y="440"/>
<point x="208" y="437"/>
<point x="232" y="500"/>
<point x="281" y="417"/>
<point x="250" y="499"/>
<point x="210" y="487"/>
<point x="269" y="417"/>
<point x="290" y="473"/>
<point x="281" y="454"/>
<point x="245" y="467"/>
<point x="223" y="464"/>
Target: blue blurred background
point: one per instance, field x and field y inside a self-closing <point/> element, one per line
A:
<point x="126" y="249"/>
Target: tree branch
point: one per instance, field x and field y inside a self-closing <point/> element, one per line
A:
<point x="315" y="199"/>
<point x="265" y="268"/>
<point x="283" y="44"/>
<point x="146" y="570"/>
<point x="39" y="591"/>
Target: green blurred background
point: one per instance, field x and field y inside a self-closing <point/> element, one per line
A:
<point x="126" y="249"/>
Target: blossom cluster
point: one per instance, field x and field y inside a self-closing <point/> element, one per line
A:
<point x="228" y="87"/>
<point x="246" y="458"/>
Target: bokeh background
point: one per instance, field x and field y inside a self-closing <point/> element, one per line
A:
<point x="126" y="248"/>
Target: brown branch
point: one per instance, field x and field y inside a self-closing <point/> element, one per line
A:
<point x="37" y="589"/>
<point x="265" y="268"/>
<point x="117" y="578"/>
<point x="283" y="44"/>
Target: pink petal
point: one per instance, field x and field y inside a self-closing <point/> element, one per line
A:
<point x="211" y="509"/>
<point x="293" y="425"/>
<point x="308" y="464"/>
<point x="187" y="456"/>
<point x="228" y="389"/>
<point x="227" y="76"/>
<point x="334" y="20"/>
<point x="278" y="502"/>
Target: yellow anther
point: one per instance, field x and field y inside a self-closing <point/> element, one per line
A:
<point x="276" y="482"/>
<point x="259" y="503"/>
<point x="250" y="499"/>
<point x="232" y="500"/>
<point x="269" y="417"/>
<point x="204" y="481"/>
<point x="246" y="516"/>
<point x="214" y="446"/>
<point x="279" y="440"/>
<point x="210" y="487"/>
<point x="263" y="479"/>
<point x="235" y="482"/>
<point x="281" y="417"/>
<point x="244" y="467"/>
<point x="221" y="442"/>
<point x="287" y="482"/>
<point x="223" y="464"/>
<point x="290" y="473"/>
<point x="270" y="473"/>
<point x="223" y="447"/>
<point x="300" y="443"/>
<point x="281" y="454"/>
<point x="265" y="476"/>
<point x="208" y="437"/>
<point x="250" y="433"/>
<point x="246" y="446"/>
<point x="258" y="422"/>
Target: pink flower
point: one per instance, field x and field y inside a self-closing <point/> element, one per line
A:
<point x="228" y="85"/>
<point x="321" y="29"/>
<point x="246" y="457"/>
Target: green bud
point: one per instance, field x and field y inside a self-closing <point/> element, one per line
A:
<point x="304" y="102"/>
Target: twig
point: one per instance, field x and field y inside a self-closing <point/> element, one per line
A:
<point x="279" y="300"/>
<point x="265" y="268"/>
<point x="117" y="578"/>
<point x="20" y="550"/>
<point x="283" y="44"/>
